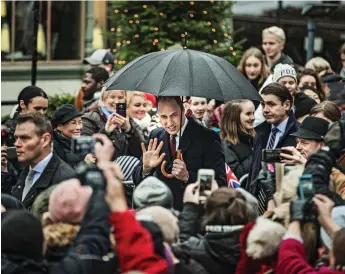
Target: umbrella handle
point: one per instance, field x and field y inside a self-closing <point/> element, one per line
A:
<point x="166" y="174"/>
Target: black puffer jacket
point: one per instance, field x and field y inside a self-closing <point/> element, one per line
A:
<point x="90" y="245"/>
<point x="128" y="143"/>
<point x="239" y="157"/>
<point x="62" y="147"/>
<point x="216" y="252"/>
<point x="320" y="165"/>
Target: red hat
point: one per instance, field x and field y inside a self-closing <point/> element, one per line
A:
<point x="150" y="97"/>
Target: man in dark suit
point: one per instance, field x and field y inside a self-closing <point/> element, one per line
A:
<point x="42" y="168"/>
<point x="280" y="123"/>
<point x="200" y="147"/>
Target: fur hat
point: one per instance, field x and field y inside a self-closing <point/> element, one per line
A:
<point x="259" y="242"/>
<point x="164" y="218"/>
<point x="68" y="202"/>
<point x="264" y="238"/>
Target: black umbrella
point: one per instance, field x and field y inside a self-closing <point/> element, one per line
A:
<point x="184" y="72"/>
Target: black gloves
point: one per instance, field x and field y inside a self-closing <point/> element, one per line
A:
<point x="303" y="211"/>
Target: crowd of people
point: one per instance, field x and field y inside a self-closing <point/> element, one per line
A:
<point x="134" y="203"/>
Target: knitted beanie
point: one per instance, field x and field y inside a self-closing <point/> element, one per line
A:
<point x="68" y="202"/>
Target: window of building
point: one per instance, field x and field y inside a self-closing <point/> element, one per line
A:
<point x="60" y="31"/>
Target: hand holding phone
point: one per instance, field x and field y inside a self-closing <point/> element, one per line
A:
<point x="121" y="109"/>
<point x="290" y="155"/>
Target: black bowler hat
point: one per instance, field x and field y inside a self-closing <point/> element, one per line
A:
<point x="64" y="114"/>
<point x="312" y="128"/>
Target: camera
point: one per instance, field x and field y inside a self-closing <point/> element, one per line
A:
<point x="303" y="208"/>
<point x="90" y="175"/>
<point x="83" y="145"/>
<point x="7" y="137"/>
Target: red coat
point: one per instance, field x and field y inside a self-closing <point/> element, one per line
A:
<point x="292" y="260"/>
<point x="134" y="245"/>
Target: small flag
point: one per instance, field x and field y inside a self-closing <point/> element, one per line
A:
<point x="231" y="179"/>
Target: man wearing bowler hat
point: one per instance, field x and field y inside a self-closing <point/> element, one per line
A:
<point x="309" y="139"/>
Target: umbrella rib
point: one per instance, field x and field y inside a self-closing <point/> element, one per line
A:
<point x="165" y="72"/>
<point x="213" y="73"/>
<point x="190" y="72"/>
<point x="225" y="73"/>
<point x="148" y="73"/>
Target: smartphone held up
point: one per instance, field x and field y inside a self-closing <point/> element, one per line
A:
<point x="205" y="179"/>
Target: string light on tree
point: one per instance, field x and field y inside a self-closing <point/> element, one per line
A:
<point x="204" y="12"/>
<point x="126" y="10"/>
<point x="128" y="42"/>
<point x="136" y="15"/>
<point x="156" y="29"/>
<point x="182" y="35"/>
<point x="112" y="29"/>
<point x="144" y="6"/>
<point x="131" y="21"/>
<point x="161" y="13"/>
<point x="213" y="30"/>
<point x="137" y="21"/>
<point x="136" y="36"/>
<point x="209" y="23"/>
<point x="215" y="41"/>
<point x="116" y="11"/>
<point x="118" y="44"/>
<point x="191" y="15"/>
<point x="191" y="3"/>
<point x="118" y="29"/>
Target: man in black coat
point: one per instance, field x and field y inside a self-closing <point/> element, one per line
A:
<point x="42" y="168"/>
<point x="200" y="147"/>
<point x="280" y="123"/>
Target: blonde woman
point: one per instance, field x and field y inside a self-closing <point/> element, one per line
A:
<point x="123" y="131"/>
<point x="137" y="110"/>
<point x="253" y="67"/>
<point x="319" y="65"/>
<point x="237" y="132"/>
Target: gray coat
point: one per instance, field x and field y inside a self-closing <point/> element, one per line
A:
<point x="128" y="143"/>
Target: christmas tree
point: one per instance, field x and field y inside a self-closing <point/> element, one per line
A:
<point x="139" y="27"/>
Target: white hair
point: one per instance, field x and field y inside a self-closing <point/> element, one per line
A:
<point x="278" y="32"/>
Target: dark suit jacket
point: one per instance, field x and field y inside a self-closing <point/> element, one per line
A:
<point x="201" y="148"/>
<point x="55" y="172"/>
<point x="263" y="132"/>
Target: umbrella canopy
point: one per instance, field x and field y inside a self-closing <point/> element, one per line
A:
<point x="184" y="72"/>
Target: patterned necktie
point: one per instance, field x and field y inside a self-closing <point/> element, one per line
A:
<point x="173" y="146"/>
<point x="28" y="183"/>
<point x="272" y="141"/>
